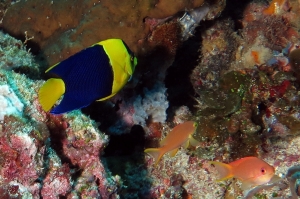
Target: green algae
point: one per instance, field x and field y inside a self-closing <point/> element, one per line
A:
<point x="227" y="98"/>
<point x="235" y="82"/>
<point x="226" y="116"/>
<point x="219" y="103"/>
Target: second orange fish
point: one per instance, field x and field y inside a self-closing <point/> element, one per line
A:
<point x="251" y="171"/>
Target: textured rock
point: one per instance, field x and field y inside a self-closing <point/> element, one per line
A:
<point x="61" y="28"/>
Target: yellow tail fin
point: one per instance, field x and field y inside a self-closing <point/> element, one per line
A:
<point x="156" y="153"/>
<point x="50" y="92"/>
<point x="224" y="170"/>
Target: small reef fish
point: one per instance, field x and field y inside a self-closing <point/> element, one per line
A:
<point x="251" y="171"/>
<point x="181" y="135"/>
<point x="95" y="73"/>
<point x="274" y="7"/>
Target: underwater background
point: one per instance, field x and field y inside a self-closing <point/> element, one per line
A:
<point x="232" y="67"/>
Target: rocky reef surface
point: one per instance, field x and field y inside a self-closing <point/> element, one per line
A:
<point x="231" y="66"/>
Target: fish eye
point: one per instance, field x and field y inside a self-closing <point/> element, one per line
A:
<point x="263" y="170"/>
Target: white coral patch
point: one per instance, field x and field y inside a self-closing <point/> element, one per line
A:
<point x="9" y="102"/>
<point x="154" y="105"/>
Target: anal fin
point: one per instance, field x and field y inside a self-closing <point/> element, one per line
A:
<point x="193" y="141"/>
<point x="173" y="152"/>
<point x="156" y="153"/>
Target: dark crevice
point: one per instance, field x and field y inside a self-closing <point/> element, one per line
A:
<point x="124" y="156"/>
<point x="180" y="90"/>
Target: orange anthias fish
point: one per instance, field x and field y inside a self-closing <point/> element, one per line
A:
<point x="251" y="171"/>
<point x="181" y="135"/>
<point x="274" y="7"/>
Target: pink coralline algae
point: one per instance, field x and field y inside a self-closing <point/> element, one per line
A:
<point x="83" y="149"/>
<point x="49" y="156"/>
<point x="21" y="160"/>
<point x="57" y="182"/>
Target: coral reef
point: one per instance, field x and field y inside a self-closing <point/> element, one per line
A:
<point x="248" y="91"/>
<point x="43" y="155"/>
<point x="21" y="158"/>
<point x="21" y="59"/>
<point x="57" y="181"/>
<point x="82" y="147"/>
<point x="217" y="50"/>
<point x="241" y="71"/>
<point x="263" y="92"/>
<point x="152" y="29"/>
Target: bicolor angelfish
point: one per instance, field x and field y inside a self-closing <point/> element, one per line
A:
<point x="95" y="73"/>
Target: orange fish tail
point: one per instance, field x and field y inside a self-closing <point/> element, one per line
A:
<point x="225" y="170"/>
<point x="156" y="153"/>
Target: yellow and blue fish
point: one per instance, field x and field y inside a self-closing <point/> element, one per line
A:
<point x="95" y="73"/>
